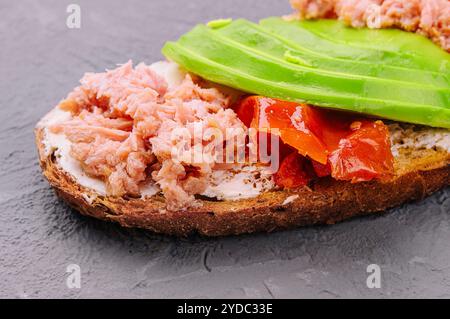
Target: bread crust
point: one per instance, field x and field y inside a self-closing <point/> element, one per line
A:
<point x="327" y="201"/>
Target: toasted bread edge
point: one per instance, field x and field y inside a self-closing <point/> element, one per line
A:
<point x="325" y="202"/>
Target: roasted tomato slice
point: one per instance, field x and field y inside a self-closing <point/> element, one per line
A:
<point x="363" y="155"/>
<point x="245" y="109"/>
<point x="338" y="143"/>
<point x="321" y="170"/>
<point x="248" y="111"/>
<point x="290" y="121"/>
<point x="295" y="171"/>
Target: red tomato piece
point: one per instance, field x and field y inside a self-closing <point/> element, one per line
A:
<point x="338" y="143"/>
<point x="290" y="121"/>
<point x="295" y="171"/>
<point x="363" y="155"/>
<point x="321" y="170"/>
<point x="245" y="110"/>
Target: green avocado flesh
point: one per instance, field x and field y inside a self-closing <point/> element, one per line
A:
<point x="384" y="73"/>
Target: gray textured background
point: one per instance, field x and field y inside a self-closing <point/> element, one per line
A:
<point x="41" y="60"/>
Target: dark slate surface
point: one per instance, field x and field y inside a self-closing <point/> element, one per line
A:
<point x="41" y="60"/>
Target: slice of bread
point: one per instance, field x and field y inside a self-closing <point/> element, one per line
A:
<point x="419" y="172"/>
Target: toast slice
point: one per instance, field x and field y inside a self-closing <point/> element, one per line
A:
<point x="419" y="172"/>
